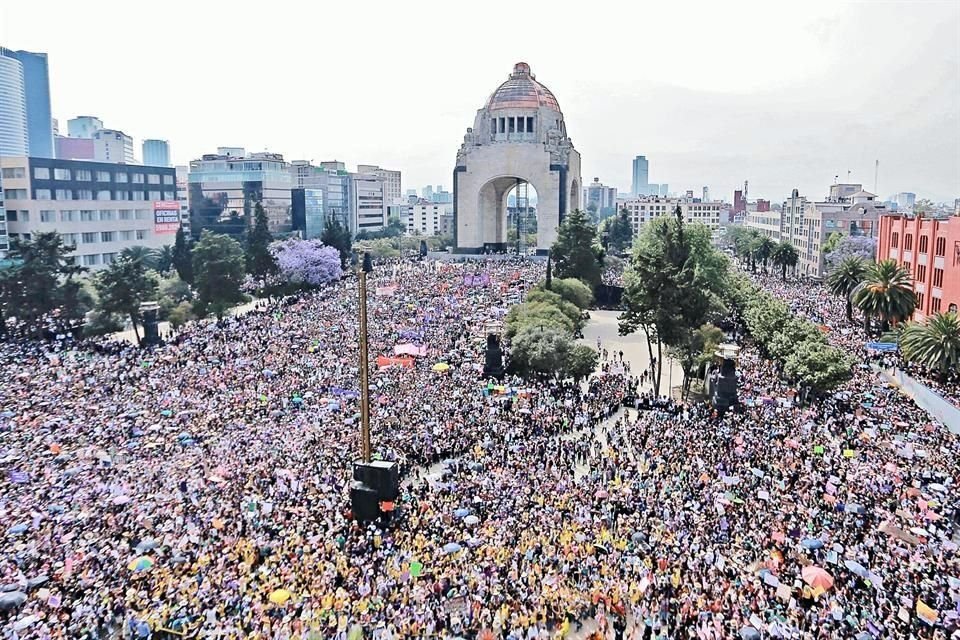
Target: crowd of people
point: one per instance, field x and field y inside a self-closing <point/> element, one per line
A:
<point x="201" y="488"/>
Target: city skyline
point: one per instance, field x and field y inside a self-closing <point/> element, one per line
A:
<point x="728" y="103"/>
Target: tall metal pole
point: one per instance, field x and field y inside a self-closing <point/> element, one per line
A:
<point x="365" y="268"/>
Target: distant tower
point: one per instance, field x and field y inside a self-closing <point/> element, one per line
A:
<point x="706" y="194"/>
<point x="746" y="192"/>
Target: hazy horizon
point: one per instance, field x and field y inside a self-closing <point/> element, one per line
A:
<point x="783" y="95"/>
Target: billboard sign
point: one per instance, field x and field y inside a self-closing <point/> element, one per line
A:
<point x="166" y="216"/>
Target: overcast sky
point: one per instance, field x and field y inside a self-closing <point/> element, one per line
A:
<point x="784" y="94"/>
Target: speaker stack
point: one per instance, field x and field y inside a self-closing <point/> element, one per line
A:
<point x="375" y="489"/>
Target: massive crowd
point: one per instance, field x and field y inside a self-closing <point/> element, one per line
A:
<point x="202" y="487"/>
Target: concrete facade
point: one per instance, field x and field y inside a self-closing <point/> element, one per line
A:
<point x="518" y="136"/>
<point x="642" y="210"/>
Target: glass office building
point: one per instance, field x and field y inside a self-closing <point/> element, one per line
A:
<point x="36" y="87"/>
<point x="14" y="140"/>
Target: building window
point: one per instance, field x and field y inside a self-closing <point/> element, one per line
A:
<point x="41" y="173"/>
<point x="68" y="216"/>
<point x="126" y="214"/>
<point x="43" y="194"/>
<point x="121" y="195"/>
<point x="908" y="267"/>
<point x="11" y="215"/>
<point x="15" y="194"/>
<point x="63" y="194"/>
<point x="69" y="239"/>
<point x="83" y="194"/>
<point x="107" y="236"/>
<point x="91" y="260"/>
<point x="141" y="234"/>
<point x="104" y="194"/>
<point x="167" y="179"/>
<point x="530" y="124"/>
<point x="894" y="240"/>
<point x="106" y="214"/>
<point x="908" y="242"/>
<point x="138" y="195"/>
<point x="87" y="215"/>
<point x="126" y="235"/>
<point x="921" y="273"/>
<point x="89" y="237"/>
<point x="109" y="257"/>
<point x="83" y="175"/>
<point x="153" y="178"/>
<point x="143" y="214"/>
<point x="153" y="195"/>
<point x="168" y="195"/>
<point x="137" y="178"/>
<point x="511" y="124"/>
<point x="103" y="176"/>
<point x="121" y="177"/>
<point x="919" y="300"/>
<point x="941" y="247"/>
<point x="502" y="124"/>
<point x="10" y="173"/>
<point x="61" y="174"/>
<point x="48" y="216"/>
<point x="922" y="244"/>
<point x="934" y="305"/>
<point x="937" y="277"/>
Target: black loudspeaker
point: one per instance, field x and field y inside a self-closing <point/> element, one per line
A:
<point x="381" y="476"/>
<point x="423" y="248"/>
<point x="151" y="330"/>
<point x="493" y="364"/>
<point x="364" y="502"/>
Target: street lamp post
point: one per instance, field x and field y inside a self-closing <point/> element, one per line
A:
<point x="364" y="268"/>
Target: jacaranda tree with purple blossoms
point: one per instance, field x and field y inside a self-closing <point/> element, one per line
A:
<point x="306" y="263"/>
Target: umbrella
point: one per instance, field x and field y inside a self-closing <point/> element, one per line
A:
<point x="451" y="547"/>
<point x="856" y="568"/>
<point x="121" y="500"/>
<point x="13" y="586"/>
<point x="601" y="493"/>
<point x="471" y="520"/>
<point x="461" y="513"/>
<point x="811" y="543"/>
<point x="140" y="564"/>
<point x="855" y="508"/>
<point x="817" y="577"/>
<point x="280" y="596"/>
<point x="441" y="367"/>
<point x="18" y="528"/>
<point x="147" y="544"/>
<point x="599" y="548"/>
<point x="749" y="633"/>
<point x="12" y="600"/>
<point x="56" y="508"/>
<point x="37" y="581"/>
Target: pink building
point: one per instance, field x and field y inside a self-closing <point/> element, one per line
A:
<point x="74" y="148"/>
<point x="930" y="249"/>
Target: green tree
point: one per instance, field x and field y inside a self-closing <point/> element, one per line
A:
<point x="575" y="253"/>
<point x="844" y="280"/>
<point x="39" y="280"/>
<point x="218" y="267"/>
<point x="182" y="258"/>
<point x="763" y="249"/>
<point x="833" y="240"/>
<point x="673" y="284"/>
<point x="886" y="294"/>
<point x="935" y="344"/>
<point x="581" y="362"/>
<point x="785" y="256"/>
<point x="695" y="349"/>
<point x="537" y="314"/>
<point x="619" y="232"/>
<point x="549" y="297"/>
<point x="139" y="253"/>
<point x="164" y="261"/>
<point x="123" y="286"/>
<point x="924" y="205"/>
<point x="571" y="290"/>
<point x="259" y="259"/>
<point x="817" y="366"/>
<point x="539" y="351"/>
<point x="337" y="236"/>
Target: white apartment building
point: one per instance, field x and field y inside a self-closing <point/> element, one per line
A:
<point x="766" y="222"/>
<point x="429" y="219"/>
<point x="643" y="209"/>
<point x="369" y="202"/>
<point x="100" y="208"/>
<point x="110" y="145"/>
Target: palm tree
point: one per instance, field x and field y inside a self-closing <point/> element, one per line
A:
<point x="887" y="293"/>
<point x="744" y="240"/>
<point x="934" y="344"/>
<point x="140" y="253"/>
<point x="785" y="255"/>
<point x="165" y="258"/>
<point x="845" y="278"/>
<point x="763" y="249"/>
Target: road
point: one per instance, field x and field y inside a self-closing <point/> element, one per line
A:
<point x="603" y="325"/>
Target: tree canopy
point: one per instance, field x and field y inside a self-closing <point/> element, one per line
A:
<point x="306" y="263"/>
<point x="575" y="253"/>
<point x="218" y="265"/>
<point x="337" y="236"/>
<point x="123" y="286"/>
<point x="619" y="231"/>
<point x="182" y="258"/>
<point x="259" y="260"/>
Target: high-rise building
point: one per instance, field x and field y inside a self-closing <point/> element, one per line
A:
<point x="643" y="209"/>
<point x="739" y="202"/>
<point x="101" y="208"/>
<point x="427" y="192"/>
<point x="156" y="153"/>
<point x="110" y="145"/>
<point x="14" y="139"/>
<point x="4" y="243"/>
<point x="600" y="200"/>
<point x="84" y="126"/>
<point x="763" y="205"/>
<point x="641" y="176"/>
<point x="706" y="194"/>
<point x="391" y="181"/>
<point x="905" y="200"/>
<point x="369" y="201"/>
<point x="74" y="148"/>
<point x="224" y="190"/>
<point x="36" y="86"/>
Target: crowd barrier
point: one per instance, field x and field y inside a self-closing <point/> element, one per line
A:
<point x="925" y="397"/>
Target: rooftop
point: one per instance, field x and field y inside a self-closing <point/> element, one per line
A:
<point x="522" y="91"/>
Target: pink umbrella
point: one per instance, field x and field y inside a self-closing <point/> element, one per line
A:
<point x="817" y="577"/>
